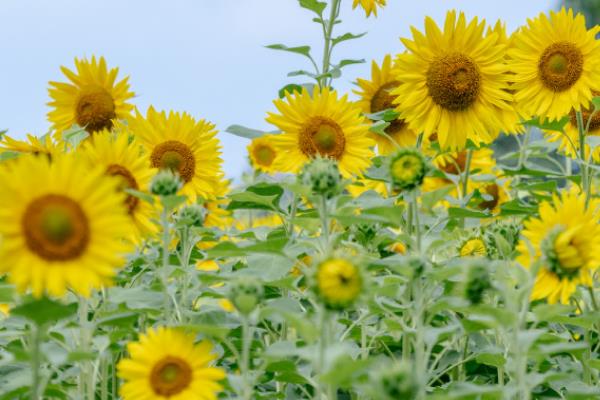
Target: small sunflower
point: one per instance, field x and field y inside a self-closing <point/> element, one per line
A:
<point x="569" y="139"/>
<point x="262" y="153"/>
<point x="556" y="65"/>
<point x="179" y="143"/>
<point x="565" y="239"/>
<point x="62" y="225"/>
<point x="453" y="83"/>
<point x="375" y="97"/>
<point x="122" y="157"/>
<point x="408" y="168"/>
<point x="321" y="124"/>
<point x="33" y="145"/>
<point x="166" y="364"/>
<point x="474" y="247"/>
<point x="93" y="99"/>
<point x="370" y="6"/>
<point x="339" y="282"/>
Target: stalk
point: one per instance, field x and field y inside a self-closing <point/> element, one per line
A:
<point x="246" y="343"/>
<point x="585" y="184"/>
<point x="327" y="33"/>
<point x="37" y="334"/>
<point x="164" y="222"/>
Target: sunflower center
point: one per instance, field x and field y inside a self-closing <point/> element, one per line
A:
<point x="264" y="155"/>
<point x="126" y="181"/>
<point x="95" y="110"/>
<point x="560" y="66"/>
<point x="455" y="164"/>
<point x="55" y="228"/>
<point x="493" y="191"/>
<point x="170" y="376"/>
<point x="175" y="156"/>
<point x="383" y="99"/>
<point x="322" y="136"/>
<point x="453" y="81"/>
<point x="587" y="114"/>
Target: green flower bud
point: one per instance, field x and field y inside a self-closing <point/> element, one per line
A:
<point x="192" y="215"/>
<point x="408" y="168"/>
<point x="478" y="282"/>
<point x="246" y="294"/>
<point x="396" y="381"/>
<point x="501" y="239"/>
<point x="165" y="183"/>
<point x="322" y="175"/>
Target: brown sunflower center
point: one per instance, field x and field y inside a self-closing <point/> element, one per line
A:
<point x="560" y="66"/>
<point x="95" y="110"/>
<point x="170" y="376"/>
<point x="127" y="181"/>
<point x="587" y="114"/>
<point x="175" y="156"/>
<point x="55" y="228"/>
<point x="492" y="190"/>
<point x="264" y="155"/>
<point x="322" y="136"/>
<point x="455" y="164"/>
<point x="383" y="99"/>
<point x="453" y="81"/>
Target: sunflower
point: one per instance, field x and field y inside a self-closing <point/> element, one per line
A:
<point x="62" y="225"/>
<point x="375" y="97"/>
<point x="93" y="99"/>
<point x="493" y="194"/>
<point x="166" y="364"/>
<point x="453" y="83"/>
<point x="474" y="247"/>
<point x="4" y="310"/>
<point x="362" y="185"/>
<point x="123" y="158"/>
<point x="321" y="124"/>
<point x="565" y="241"/>
<point x="455" y="162"/>
<point x="33" y="145"/>
<point x="262" y="153"/>
<point x="370" y="6"/>
<point x="177" y="142"/>
<point x="556" y="65"/>
<point x="339" y="282"/>
<point x="216" y="214"/>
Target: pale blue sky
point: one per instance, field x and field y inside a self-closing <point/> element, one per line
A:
<point x="201" y="56"/>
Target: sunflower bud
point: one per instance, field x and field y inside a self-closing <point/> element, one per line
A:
<point x="246" y="294"/>
<point x="478" y="282"/>
<point x="408" y="169"/>
<point x="322" y="176"/>
<point x="396" y="381"/>
<point x="501" y="239"/>
<point x="165" y="183"/>
<point x="192" y="215"/>
<point x="338" y="283"/>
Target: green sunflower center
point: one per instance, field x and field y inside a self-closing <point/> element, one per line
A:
<point x="127" y="181"/>
<point x="175" y="156"/>
<point x="264" y="155"/>
<point x="560" y="66"/>
<point x="170" y="376"/>
<point x="55" y="228"/>
<point x="453" y="81"/>
<point x="95" y="110"/>
<point x="322" y="136"/>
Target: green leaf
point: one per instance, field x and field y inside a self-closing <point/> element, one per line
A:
<point x="344" y="63"/>
<point x="379" y="127"/>
<point x="303" y="50"/>
<point x="493" y="359"/>
<point x="316" y="6"/>
<point x="555" y="125"/>
<point x="347" y="36"/>
<point x="147" y="197"/>
<point x="7" y="293"/>
<point x="9" y="155"/>
<point x="302" y="72"/>
<point x="457" y="212"/>
<point x="173" y="201"/>
<point x="596" y="103"/>
<point x="75" y="135"/>
<point x="244" y="132"/>
<point x="44" y="311"/>
<point x="263" y="196"/>
<point x="291" y="88"/>
<point x="388" y="115"/>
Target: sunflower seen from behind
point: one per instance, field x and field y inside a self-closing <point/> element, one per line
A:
<point x="564" y="243"/>
<point x="556" y="64"/>
<point x="375" y="96"/>
<point x="62" y="225"/>
<point x="92" y="99"/>
<point x="370" y="6"/>
<point x="262" y="153"/>
<point x="453" y="83"/>
<point x="177" y="142"/>
<point x="166" y="363"/>
<point x="320" y="125"/>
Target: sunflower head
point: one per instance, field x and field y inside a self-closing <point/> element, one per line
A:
<point x="370" y="6"/>
<point x="192" y="215"/>
<point x="338" y="282"/>
<point x="165" y="183"/>
<point x="245" y="294"/>
<point x="408" y="168"/>
<point x="262" y="153"/>
<point x="33" y="145"/>
<point x="474" y="247"/>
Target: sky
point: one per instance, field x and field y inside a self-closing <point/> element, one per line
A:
<point x="206" y="57"/>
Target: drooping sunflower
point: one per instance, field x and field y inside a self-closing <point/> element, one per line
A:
<point x="93" y="99"/>
<point x="375" y="96"/>
<point x="565" y="239"/>
<point x="493" y="194"/>
<point x="321" y="124"/>
<point x="178" y="142"/>
<point x="370" y="6"/>
<point x="338" y="282"/>
<point x="122" y="157"/>
<point x="453" y="83"/>
<point x="166" y="364"/>
<point x="556" y="64"/>
<point x="32" y="145"/>
<point x="62" y="225"/>
<point x="262" y="153"/>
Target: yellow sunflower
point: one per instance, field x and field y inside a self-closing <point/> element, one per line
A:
<point x="494" y="193"/>
<point x="177" y="142"/>
<point x="474" y="247"/>
<point x="453" y="83"/>
<point x="569" y="139"/>
<point x="370" y="6"/>
<point x="375" y="97"/>
<point x="455" y="163"/>
<point x="62" y="225"/>
<point x="122" y="157"/>
<point x="321" y="124"/>
<point x="339" y="282"/>
<point x="33" y="145"/>
<point x="4" y="310"/>
<point x="556" y="65"/>
<point x="166" y="364"/>
<point x="565" y="239"/>
<point x="93" y="99"/>
<point x="262" y="153"/>
<point x="216" y="214"/>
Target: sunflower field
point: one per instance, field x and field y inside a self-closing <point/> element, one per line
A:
<point x="433" y="235"/>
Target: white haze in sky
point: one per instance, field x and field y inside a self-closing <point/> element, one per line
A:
<point x="206" y="57"/>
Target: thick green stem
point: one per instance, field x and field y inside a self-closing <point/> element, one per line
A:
<point x="164" y="272"/>
<point x="324" y="221"/>
<point x="37" y="334"/>
<point x="416" y="222"/>
<point x="246" y="344"/>
<point x="334" y="8"/>
<point x="466" y="175"/>
<point x="86" y="383"/>
<point x="585" y="184"/>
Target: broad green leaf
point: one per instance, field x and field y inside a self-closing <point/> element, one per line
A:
<point x="44" y="311"/>
<point x="347" y="36"/>
<point x="316" y="6"/>
<point x="548" y="125"/>
<point x="244" y="132"/>
<point x="466" y="213"/>
<point x="291" y="89"/>
<point x="304" y="50"/>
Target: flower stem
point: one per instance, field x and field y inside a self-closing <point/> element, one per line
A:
<point x="585" y="184"/>
<point x="37" y="334"/>
<point x="327" y="32"/>
<point x="86" y="383"/>
<point x="324" y="221"/>
<point x="164" y="273"/>
<point x="246" y="344"/>
<point x="416" y="222"/>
